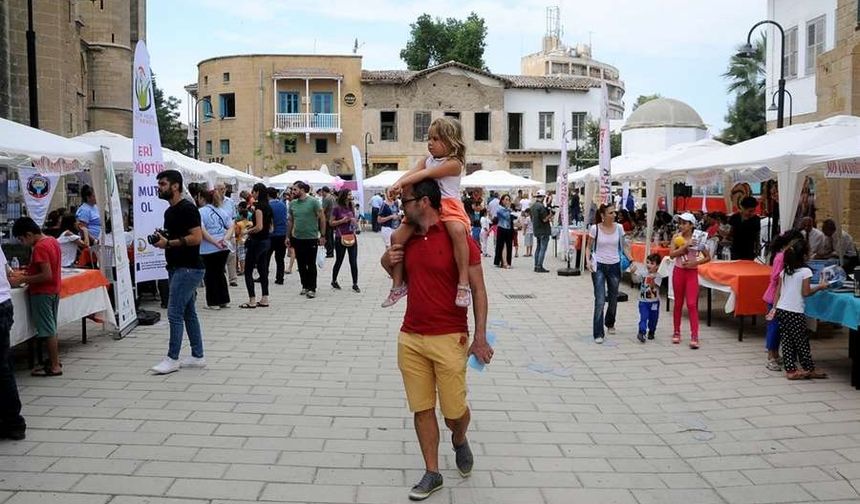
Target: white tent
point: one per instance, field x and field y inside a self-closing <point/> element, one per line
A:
<point x="311" y="177"/>
<point x="497" y="179"/>
<point x="788" y="153"/>
<point x="48" y="152"/>
<point x="383" y="180"/>
<point x="234" y="176"/>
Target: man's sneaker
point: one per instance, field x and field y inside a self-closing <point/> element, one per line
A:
<point x="429" y="483"/>
<point x="193" y="362"/>
<point x="641" y="337"/>
<point x="650" y="335"/>
<point x="304" y="292"/>
<point x="599" y="340"/>
<point x="166" y="366"/>
<point x="312" y="294"/>
<point x="610" y="330"/>
<point x="356" y="289"/>
<point x="464" y="459"/>
<point x="394" y="295"/>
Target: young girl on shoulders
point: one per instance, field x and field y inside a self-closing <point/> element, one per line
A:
<point x="445" y="165"/>
<point x="789" y="308"/>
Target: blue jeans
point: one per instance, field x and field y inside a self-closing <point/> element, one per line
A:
<point x="606" y="278"/>
<point x="10" y="402"/>
<point x="649" y="314"/>
<point x="181" y="310"/>
<point x="540" y="250"/>
<point x="476" y="235"/>
<point x="771" y="339"/>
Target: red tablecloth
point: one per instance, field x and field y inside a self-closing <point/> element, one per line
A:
<point x="637" y="251"/>
<point x="747" y="279"/>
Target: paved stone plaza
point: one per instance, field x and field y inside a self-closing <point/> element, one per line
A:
<point x="302" y="402"/>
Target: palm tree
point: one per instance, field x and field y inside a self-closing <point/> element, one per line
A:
<point x="746" y="77"/>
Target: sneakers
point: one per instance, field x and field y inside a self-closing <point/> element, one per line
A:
<point x="641" y="337"/>
<point x="429" y="483"/>
<point x="304" y="292"/>
<point x="650" y="335"/>
<point x="676" y="339"/>
<point x="464" y="459"/>
<point x="694" y="343"/>
<point x="214" y="307"/>
<point x="356" y="289"/>
<point x="394" y="295"/>
<point x="312" y="294"/>
<point x="193" y="362"/>
<point x="773" y="365"/>
<point x="166" y="366"/>
<point x="610" y="330"/>
<point x="599" y="340"/>
<point x="335" y="285"/>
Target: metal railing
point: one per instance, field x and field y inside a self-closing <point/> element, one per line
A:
<point x="307" y="122"/>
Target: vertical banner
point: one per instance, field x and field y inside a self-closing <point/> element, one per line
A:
<point x="38" y="189"/>
<point x="563" y="193"/>
<point x="359" y="177"/>
<point x="149" y="261"/>
<point x="604" y="151"/>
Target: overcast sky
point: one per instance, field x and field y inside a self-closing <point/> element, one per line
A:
<point x="677" y="48"/>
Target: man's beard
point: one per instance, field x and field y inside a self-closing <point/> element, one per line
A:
<point x="165" y="195"/>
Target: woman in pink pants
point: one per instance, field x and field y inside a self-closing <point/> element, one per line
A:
<point x="685" y="277"/>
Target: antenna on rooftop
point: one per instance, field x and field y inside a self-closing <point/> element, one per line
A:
<point x="553" y="21"/>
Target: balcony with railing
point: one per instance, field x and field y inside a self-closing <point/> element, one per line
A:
<point x="307" y="123"/>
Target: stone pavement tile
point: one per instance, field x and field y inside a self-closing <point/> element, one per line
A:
<point x="686" y="450"/>
<point x="4" y="496"/>
<point x="295" y="420"/>
<point x="396" y="495"/>
<point x="289" y="492"/>
<point x="200" y="406"/>
<point x="168" y="453"/>
<point x="55" y="498"/>
<point x="285" y="444"/>
<point x="832" y="490"/>
<point x="852" y="454"/>
<point x="73" y="450"/>
<point x="725" y="478"/>
<point x="573" y="426"/>
<point x="592" y="451"/>
<point x="184" y="427"/>
<point x="236" y="456"/>
<point x="820" y="443"/>
<point x="383" y="477"/>
<point x="809" y="458"/>
<point x="129" y="485"/>
<point x="831" y="428"/>
<point x="616" y="480"/>
<point x="270" y="431"/>
<point x="676" y="496"/>
<point x="215" y="489"/>
<point x="748" y="447"/>
<point x="573" y="465"/>
<point x="522" y="479"/>
<point x="769" y="433"/>
<point x="205" y="441"/>
<point x="306" y="432"/>
<point x="738" y="462"/>
<point x="83" y="412"/>
<point x="550" y="437"/>
<point x="849" y="471"/>
<point x="522" y="450"/>
<point x="462" y="495"/>
<point x="133" y="499"/>
<point x="631" y="465"/>
<point x="361" y="446"/>
<point x="99" y="424"/>
<point x="126" y="438"/>
<point x="37" y="481"/>
<point x="25" y="463"/>
<point x="786" y="475"/>
<point x="271" y="473"/>
<point x="764" y="494"/>
<point x="570" y="495"/>
<point x="94" y="466"/>
<point x="656" y="452"/>
<point x="153" y="414"/>
<point x="185" y="469"/>
<point x="310" y="459"/>
<point x="43" y="422"/>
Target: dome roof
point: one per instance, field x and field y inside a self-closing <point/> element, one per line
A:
<point x="664" y="113"/>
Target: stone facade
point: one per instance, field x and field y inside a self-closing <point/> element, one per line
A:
<point x="838" y="91"/>
<point x="255" y="140"/>
<point x="84" y="55"/>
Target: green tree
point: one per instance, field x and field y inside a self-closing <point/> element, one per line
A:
<point x="169" y="128"/>
<point x="643" y="99"/>
<point x="588" y="152"/>
<point x="746" y="75"/>
<point x="436" y="41"/>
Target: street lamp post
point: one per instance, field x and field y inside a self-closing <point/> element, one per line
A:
<point x="197" y="125"/>
<point x="773" y="106"/>
<point x="368" y="140"/>
<point x="747" y="52"/>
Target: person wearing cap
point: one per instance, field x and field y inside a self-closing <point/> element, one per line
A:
<point x="746" y="230"/>
<point x="685" y="276"/>
<point x="541" y="217"/>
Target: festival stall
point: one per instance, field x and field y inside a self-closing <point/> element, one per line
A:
<point x="311" y="177"/>
<point x="383" y="180"/>
<point x="498" y="180"/>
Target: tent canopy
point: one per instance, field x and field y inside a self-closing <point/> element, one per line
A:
<point x="45" y="150"/>
<point x="497" y="179"/>
<point x="383" y="180"/>
<point x="311" y="177"/>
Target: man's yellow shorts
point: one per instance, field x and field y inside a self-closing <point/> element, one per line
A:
<point x="431" y="363"/>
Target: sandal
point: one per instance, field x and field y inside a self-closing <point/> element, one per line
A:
<point x="45" y="371"/>
<point x="394" y="295"/>
<point x="816" y="375"/>
<point x="796" y="375"/>
<point x="261" y="305"/>
<point x="464" y="296"/>
<point x="247" y="306"/>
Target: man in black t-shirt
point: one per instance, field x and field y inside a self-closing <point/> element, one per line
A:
<point x="185" y="272"/>
<point x="746" y="230"/>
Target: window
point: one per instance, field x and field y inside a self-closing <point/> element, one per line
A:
<point x="321" y="145"/>
<point x="388" y="126"/>
<point x="288" y="102"/>
<point x="422" y="126"/>
<point x="790" y="60"/>
<point x="322" y="103"/>
<point x="207" y="108"/>
<point x="814" y="42"/>
<point x="225" y="147"/>
<point x="455" y="115"/>
<point x="227" y="105"/>
<point x="545" y="120"/>
<point x="208" y="147"/>
<point x="551" y="173"/>
<point x="577" y="124"/>
<point x="482" y="126"/>
<point x="473" y="167"/>
<point x="291" y="145"/>
<point x="521" y="168"/>
<point x="205" y="80"/>
<point x="515" y="128"/>
<point x="225" y="77"/>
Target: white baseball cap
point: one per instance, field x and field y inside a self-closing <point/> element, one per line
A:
<point x="540" y="193"/>
<point x="687" y="216"/>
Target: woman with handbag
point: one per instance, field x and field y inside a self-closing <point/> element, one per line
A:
<point x="214" y="251"/>
<point x="344" y="222"/>
<point x="603" y="256"/>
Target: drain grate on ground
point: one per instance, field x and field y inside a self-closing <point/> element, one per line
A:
<point x="520" y="296"/>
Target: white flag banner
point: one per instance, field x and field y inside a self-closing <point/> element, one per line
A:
<point x="359" y="177"/>
<point x="604" y="151"/>
<point x="562" y="194"/>
<point x="38" y="189"/>
<point x="149" y="261"/>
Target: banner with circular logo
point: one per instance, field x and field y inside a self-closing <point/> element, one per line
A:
<point x="38" y="189"/>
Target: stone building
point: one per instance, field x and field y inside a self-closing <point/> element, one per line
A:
<point x="268" y="113"/>
<point x="84" y="57"/>
<point x="660" y="124"/>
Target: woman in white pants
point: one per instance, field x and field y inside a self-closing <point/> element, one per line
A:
<point x="389" y="217"/>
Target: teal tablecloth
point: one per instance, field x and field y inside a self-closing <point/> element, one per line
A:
<point x="840" y="308"/>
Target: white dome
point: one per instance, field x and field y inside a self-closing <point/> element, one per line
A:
<point x="664" y="113"/>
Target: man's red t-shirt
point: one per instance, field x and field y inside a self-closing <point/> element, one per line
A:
<point x="46" y="250"/>
<point x="432" y="277"/>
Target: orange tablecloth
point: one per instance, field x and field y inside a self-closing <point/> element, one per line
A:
<point x="577" y="238"/>
<point x="747" y="279"/>
<point x="77" y="281"/>
<point x="637" y="251"/>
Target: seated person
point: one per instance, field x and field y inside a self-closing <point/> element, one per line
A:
<point x="833" y="245"/>
<point x="70" y="241"/>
